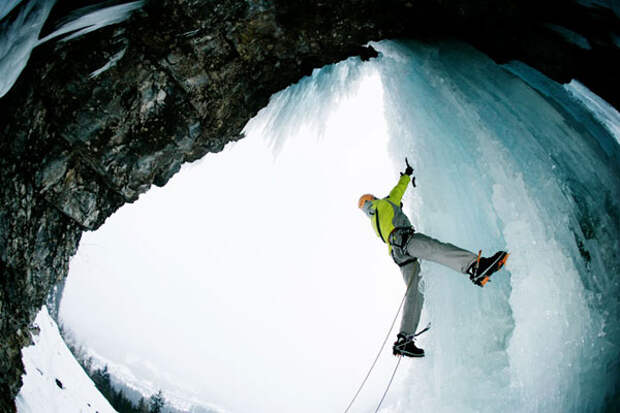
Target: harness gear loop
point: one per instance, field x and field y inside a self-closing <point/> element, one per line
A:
<point x="398" y="239"/>
<point x="404" y="232"/>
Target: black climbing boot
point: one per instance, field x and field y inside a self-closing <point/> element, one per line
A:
<point x="480" y="271"/>
<point x="405" y="346"/>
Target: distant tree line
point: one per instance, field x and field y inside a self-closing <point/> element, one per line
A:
<point x="117" y="398"/>
<point x="103" y="382"/>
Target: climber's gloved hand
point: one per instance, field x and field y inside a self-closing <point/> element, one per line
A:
<point x="409" y="172"/>
<point x="409" y="169"/>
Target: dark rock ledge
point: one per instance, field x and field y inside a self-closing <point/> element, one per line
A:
<point x="73" y="149"/>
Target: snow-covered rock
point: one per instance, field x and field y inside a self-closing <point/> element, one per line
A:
<point x="54" y="381"/>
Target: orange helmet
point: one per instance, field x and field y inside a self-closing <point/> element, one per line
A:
<point x="364" y="198"/>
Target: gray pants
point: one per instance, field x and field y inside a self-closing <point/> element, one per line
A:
<point x="426" y="248"/>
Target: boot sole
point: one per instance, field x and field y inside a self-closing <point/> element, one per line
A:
<point x="410" y="355"/>
<point x="501" y="261"/>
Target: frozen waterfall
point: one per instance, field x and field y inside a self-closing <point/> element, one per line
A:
<point x="278" y="293"/>
<point x="505" y="165"/>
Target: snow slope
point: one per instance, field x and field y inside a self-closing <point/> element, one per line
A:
<point x="54" y="381"/>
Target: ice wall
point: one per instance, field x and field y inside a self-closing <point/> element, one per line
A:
<point x="505" y="165"/>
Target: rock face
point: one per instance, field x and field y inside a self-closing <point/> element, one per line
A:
<point x="184" y="77"/>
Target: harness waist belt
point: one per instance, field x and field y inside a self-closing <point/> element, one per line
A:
<point x="399" y="253"/>
<point x="407" y="232"/>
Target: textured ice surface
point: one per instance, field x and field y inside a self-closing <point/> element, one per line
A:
<point x="20" y="35"/>
<point x="570" y="36"/>
<point x="502" y="165"/>
<point x="601" y="110"/>
<point x="93" y="18"/>
<point x="7" y="6"/>
<point x="609" y="4"/>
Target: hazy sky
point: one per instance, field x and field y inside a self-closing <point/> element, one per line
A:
<point x="251" y="280"/>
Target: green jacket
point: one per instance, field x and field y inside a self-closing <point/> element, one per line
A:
<point x="386" y="214"/>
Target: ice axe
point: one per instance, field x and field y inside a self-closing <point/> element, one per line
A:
<point x="408" y="168"/>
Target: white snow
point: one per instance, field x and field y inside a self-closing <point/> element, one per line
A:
<point x="47" y="362"/>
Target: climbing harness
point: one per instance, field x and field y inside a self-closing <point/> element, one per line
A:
<point x="372" y="366"/>
<point x="379" y="226"/>
<point x="398" y="239"/>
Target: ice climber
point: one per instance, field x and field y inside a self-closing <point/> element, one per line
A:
<point x="406" y="246"/>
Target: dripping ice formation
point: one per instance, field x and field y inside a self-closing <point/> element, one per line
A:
<point x="505" y="159"/>
<point x="19" y="34"/>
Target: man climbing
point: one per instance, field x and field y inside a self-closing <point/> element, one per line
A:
<point x="406" y="246"/>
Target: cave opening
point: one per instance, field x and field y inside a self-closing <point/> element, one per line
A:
<point x="286" y="270"/>
<point x="251" y="267"/>
<point x="514" y="163"/>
